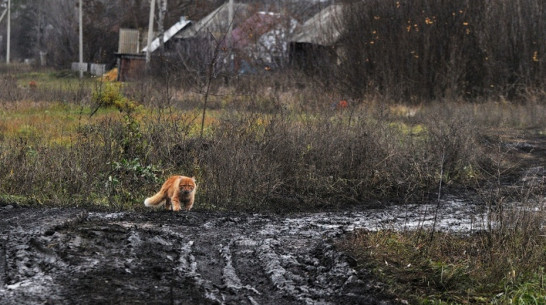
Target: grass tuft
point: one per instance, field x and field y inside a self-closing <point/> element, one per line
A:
<point x="453" y="269"/>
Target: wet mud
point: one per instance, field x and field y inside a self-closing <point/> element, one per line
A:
<point x="76" y="256"/>
<point x="73" y="256"/>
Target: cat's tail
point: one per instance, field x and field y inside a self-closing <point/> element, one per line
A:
<point x="155" y="199"/>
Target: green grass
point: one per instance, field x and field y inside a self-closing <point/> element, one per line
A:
<point x="529" y="292"/>
<point x="53" y="122"/>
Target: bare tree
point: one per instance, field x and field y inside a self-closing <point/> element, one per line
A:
<point x="162" y="7"/>
<point x="434" y="49"/>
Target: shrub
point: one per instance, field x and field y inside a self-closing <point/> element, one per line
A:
<point x="109" y="94"/>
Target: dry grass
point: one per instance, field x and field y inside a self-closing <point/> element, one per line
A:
<point x="284" y="144"/>
<point x="480" y="268"/>
<point x="289" y="148"/>
<point x="326" y="157"/>
<point x="263" y="149"/>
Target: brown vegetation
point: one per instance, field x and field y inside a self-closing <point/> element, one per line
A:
<point x="262" y="148"/>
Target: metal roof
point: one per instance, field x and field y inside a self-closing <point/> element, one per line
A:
<point x="217" y="22"/>
<point x="177" y="27"/>
<point x="323" y="29"/>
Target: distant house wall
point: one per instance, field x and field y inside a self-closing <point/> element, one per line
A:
<point x="307" y="55"/>
<point x="194" y="53"/>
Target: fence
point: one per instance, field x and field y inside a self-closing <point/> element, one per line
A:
<point x="95" y="69"/>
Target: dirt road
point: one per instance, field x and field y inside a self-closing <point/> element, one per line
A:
<point x="76" y="256"/>
<point x="73" y="256"/>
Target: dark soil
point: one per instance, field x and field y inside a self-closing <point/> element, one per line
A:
<point x="74" y="256"/>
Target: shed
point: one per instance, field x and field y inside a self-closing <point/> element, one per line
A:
<point x="317" y="38"/>
<point x="217" y="22"/>
<point x="130" y="61"/>
<point x="132" y="49"/>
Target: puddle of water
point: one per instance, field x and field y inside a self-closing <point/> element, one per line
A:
<point x="451" y="215"/>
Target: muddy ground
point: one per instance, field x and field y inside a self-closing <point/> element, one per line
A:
<point x="72" y="256"/>
<point x="80" y="256"/>
<point x="77" y="256"/>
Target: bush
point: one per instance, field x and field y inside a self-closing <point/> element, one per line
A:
<point x="109" y="94"/>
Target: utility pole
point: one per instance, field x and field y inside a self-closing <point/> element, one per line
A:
<point x="9" y="31"/>
<point x="81" y="40"/>
<point x="150" y="34"/>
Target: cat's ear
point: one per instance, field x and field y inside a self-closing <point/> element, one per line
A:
<point x="193" y="178"/>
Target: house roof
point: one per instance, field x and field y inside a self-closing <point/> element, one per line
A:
<point x="254" y="27"/>
<point x="177" y="27"/>
<point x="217" y="22"/>
<point x="324" y="28"/>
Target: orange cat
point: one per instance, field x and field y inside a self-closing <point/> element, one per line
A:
<point x="175" y="190"/>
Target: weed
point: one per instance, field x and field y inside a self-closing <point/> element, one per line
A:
<point x="125" y="177"/>
<point x="109" y="94"/>
<point x="478" y="268"/>
<point x="531" y="291"/>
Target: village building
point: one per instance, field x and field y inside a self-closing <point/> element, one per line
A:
<point x="318" y="38"/>
<point x="247" y="40"/>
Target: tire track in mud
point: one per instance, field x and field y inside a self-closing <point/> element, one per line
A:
<point x="3" y="260"/>
<point x="71" y="256"/>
